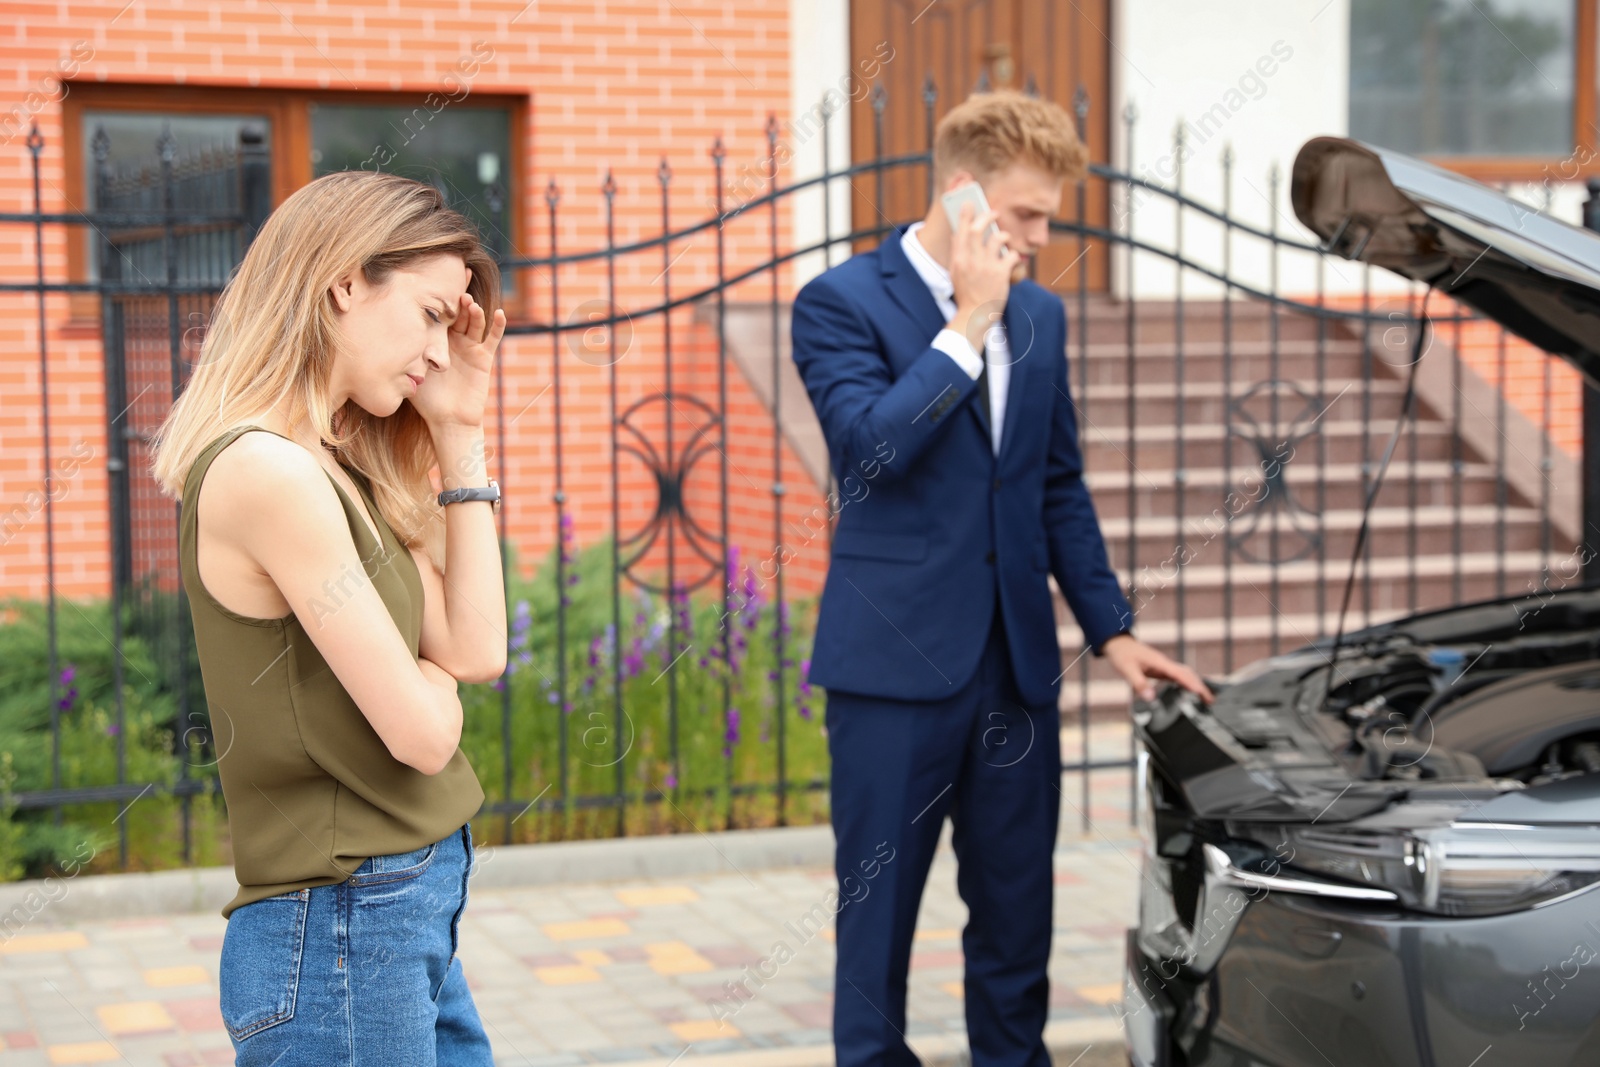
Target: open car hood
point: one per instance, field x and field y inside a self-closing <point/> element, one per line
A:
<point x="1538" y="277"/>
<point x="1460" y="704"/>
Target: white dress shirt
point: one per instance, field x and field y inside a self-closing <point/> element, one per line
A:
<point x="996" y="350"/>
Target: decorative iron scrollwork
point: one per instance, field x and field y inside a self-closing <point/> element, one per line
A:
<point x="670" y="460"/>
<point x="1275" y="443"/>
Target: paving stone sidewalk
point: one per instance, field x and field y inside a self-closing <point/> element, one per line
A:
<point x="605" y="972"/>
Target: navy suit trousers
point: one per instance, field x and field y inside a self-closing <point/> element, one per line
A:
<point x="993" y="765"/>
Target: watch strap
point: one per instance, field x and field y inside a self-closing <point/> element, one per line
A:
<point x="490" y="492"/>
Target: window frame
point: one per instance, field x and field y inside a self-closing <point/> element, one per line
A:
<point x="1585" y="155"/>
<point x="289" y="112"/>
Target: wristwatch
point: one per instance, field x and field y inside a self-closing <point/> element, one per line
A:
<point x="490" y="492"/>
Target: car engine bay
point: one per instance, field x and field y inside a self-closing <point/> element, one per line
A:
<point x="1422" y="782"/>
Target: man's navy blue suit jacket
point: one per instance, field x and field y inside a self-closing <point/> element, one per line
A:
<point x="933" y="525"/>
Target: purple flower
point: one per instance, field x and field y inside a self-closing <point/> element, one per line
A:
<point x="113" y="730"/>
<point x="671" y="780"/>
<point x="66" y="701"/>
<point x="805" y="711"/>
<point x="566" y="538"/>
<point x="554" y="697"/>
<point x="521" y="623"/>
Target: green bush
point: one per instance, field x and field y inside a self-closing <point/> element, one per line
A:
<point x="720" y="773"/>
<point x="724" y="709"/>
<point x="85" y="704"/>
<point x="12" y="847"/>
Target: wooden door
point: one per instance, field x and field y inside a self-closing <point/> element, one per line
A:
<point x="1051" y="47"/>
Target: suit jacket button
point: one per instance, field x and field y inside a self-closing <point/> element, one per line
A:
<point x="997" y="483"/>
<point x="988" y="557"/>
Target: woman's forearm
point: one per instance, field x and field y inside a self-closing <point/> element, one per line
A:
<point x="475" y="601"/>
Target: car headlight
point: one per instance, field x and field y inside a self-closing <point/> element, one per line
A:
<point x="1488" y="868"/>
<point x="1385" y="859"/>
<point x="1460" y="869"/>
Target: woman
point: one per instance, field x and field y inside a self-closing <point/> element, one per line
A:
<point x="350" y="354"/>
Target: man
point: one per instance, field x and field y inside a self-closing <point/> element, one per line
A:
<point x="940" y="379"/>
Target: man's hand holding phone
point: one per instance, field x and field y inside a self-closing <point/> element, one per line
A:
<point x="981" y="264"/>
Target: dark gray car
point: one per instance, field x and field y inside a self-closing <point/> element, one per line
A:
<point x="1397" y="868"/>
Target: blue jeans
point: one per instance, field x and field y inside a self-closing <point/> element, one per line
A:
<point x="361" y="972"/>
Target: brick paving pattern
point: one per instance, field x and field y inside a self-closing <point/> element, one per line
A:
<point x="593" y="973"/>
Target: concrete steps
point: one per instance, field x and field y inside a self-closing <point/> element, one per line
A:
<point x="1475" y="504"/>
<point x="1341" y="486"/>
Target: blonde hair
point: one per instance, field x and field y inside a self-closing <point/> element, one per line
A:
<point x="988" y="132"/>
<point x="273" y="334"/>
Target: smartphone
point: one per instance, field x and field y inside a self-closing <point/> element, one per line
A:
<point x="970" y="193"/>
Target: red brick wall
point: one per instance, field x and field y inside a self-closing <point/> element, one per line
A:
<point x="619" y="90"/>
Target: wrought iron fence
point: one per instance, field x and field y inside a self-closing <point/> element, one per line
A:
<point x="1229" y="385"/>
